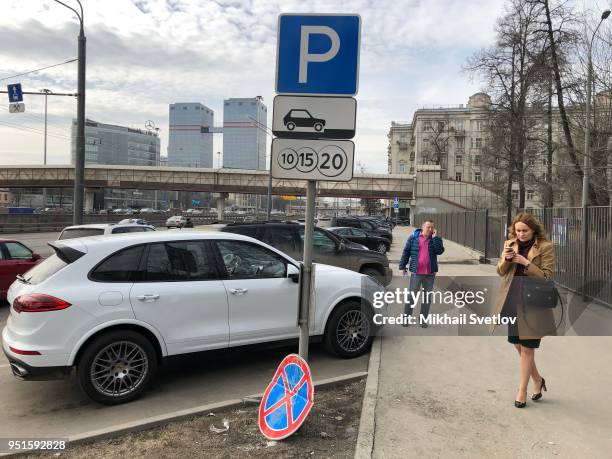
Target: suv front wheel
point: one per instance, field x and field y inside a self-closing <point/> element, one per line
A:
<point x="349" y="330"/>
<point x="117" y="367"/>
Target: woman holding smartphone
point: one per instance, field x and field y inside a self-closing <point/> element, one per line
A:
<point x="527" y="252"/>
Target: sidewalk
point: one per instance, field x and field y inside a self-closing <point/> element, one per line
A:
<point x="452" y="396"/>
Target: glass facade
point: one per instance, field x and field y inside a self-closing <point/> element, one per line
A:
<point x="244" y="133"/>
<point x="191" y="142"/>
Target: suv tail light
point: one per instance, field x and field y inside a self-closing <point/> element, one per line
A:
<point x="38" y="302"/>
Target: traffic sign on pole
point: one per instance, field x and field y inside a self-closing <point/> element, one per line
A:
<point x="15" y="94"/>
<point x="17" y="107"/>
<point x="307" y="117"/>
<point x="330" y="160"/>
<point x="318" y="54"/>
<point x="287" y="399"/>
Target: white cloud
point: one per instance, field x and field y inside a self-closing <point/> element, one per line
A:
<point x="145" y="54"/>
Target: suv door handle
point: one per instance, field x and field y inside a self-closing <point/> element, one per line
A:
<point x="238" y="291"/>
<point x="148" y="297"/>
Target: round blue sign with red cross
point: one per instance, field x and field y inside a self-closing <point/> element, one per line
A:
<point x="287" y="399"/>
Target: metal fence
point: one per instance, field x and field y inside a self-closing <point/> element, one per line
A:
<point x="486" y="234"/>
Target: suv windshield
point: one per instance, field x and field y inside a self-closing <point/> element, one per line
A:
<point x="72" y="233"/>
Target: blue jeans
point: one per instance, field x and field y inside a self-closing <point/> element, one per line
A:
<point x="418" y="281"/>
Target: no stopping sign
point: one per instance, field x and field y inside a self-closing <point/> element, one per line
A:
<point x="313" y="159"/>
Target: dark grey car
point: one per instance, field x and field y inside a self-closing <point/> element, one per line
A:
<point x="327" y="247"/>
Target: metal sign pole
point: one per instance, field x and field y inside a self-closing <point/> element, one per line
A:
<point x="306" y="278"/>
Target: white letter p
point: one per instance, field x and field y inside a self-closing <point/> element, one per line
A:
<point x="305" y="57"/>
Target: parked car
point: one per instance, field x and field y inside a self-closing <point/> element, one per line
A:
<point x="327" y="247"/>
<point x="359" y="236"/>
<point x="114" y="308"/>
<point x="101" y="229"/>
<point x="137" y="221"/>
<point x="179" y="221"/>
<point x="366" y="225"/>
<point x="380" y="221"/>
<point x="15" y="259"/>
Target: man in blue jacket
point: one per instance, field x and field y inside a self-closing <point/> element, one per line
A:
<point x="421" y="255"/>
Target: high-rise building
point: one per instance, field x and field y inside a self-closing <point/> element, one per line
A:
<point x="191" y="141"/>
<point x="244" y="133"/>
<point x="119" y="145"/>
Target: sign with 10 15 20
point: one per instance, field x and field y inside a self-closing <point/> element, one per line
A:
<point x="313" y="159"/>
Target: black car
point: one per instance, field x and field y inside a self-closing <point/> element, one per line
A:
<point x="368" y="226"/>
<point x="328" y="248"/>
<point x="359" y="236"/>
<point x="302" y="118"/>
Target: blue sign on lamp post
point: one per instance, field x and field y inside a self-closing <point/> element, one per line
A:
<point x="15" y="93"/>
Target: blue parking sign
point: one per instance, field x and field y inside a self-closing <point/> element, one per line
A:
<point x="318" y="54"/>
<point x="15" y="93"/>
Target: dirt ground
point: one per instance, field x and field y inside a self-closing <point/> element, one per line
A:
<point x="329" y="431"/>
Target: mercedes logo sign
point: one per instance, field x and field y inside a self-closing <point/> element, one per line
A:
<point x="150" y="125"/>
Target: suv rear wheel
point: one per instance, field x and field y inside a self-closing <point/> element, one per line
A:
<point x="117" y="367"/>
<point x="349" y="330"/>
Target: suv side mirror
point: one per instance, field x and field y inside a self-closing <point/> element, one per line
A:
<point x="36" y="257"/>
<point x="293" y="273"/>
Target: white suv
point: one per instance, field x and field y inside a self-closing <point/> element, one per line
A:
<point x="100" y="229"/>
<point x="115" y="307"/>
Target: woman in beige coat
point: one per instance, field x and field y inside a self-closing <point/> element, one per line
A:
<point x="527" y="252"/>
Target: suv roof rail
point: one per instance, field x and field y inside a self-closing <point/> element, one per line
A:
<point x="287" y="222"/>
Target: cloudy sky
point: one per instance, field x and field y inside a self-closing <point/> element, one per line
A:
<point x="145" y="54"/>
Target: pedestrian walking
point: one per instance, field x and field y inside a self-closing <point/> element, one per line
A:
<point x="528" y="255"/>
<point x="420" y="255"/>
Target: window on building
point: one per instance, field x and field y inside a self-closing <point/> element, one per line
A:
<point x="496" y="177"/>
<point x="441" y="126"/>
<point x="402" y="167"/>
<point x="476" y="160"/>
<point x="515" y="195"/>
<point x="458" y="160"/>
<point x="459" y="125"/>
<point x="479" y="125"/>
<point x="530" y="195"/>
<point x="478" y="143"/>
<point x="460" y="142"/>
<point x="412" y="156"/>
<point x="477" y="177"/>
<point x="458" y="176"/>
<point x="427" y="126"/>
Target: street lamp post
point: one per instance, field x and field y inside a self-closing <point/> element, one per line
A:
<point x="79" y="164"/>
<point x="587" y="156"/>
<point x="46" y="93"/>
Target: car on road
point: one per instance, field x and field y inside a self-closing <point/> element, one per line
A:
<point x="15" y="259"/>
<point x="369" y="227"/>
<point x="138" y="221"/>
<point x="115" y="307"/>
<point x="101" y="229"/>
<point x="302" y="118"/>
<point x="359" y="236"/>
<point x="327" y="247"/>
<point x="179" y="221"/>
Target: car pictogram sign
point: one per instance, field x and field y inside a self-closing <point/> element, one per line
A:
<point x="287" y="399"/>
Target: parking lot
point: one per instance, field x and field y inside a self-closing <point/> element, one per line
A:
<point x="59" y="409"/>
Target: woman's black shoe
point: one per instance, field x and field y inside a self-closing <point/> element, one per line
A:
<point x="520" y="404"/>
<point x="538" y="396"/>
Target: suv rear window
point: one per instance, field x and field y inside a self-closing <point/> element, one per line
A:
<point x="45" y="269"/>
<point x="80" y="232"/>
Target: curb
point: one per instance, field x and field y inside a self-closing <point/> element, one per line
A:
<point x="367" y="423"/>
<point x="156" y="421"/>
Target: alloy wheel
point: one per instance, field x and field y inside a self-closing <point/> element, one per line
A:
<point x="119" y="368"/>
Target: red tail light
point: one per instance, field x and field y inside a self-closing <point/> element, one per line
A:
<point x="38" y="302"/>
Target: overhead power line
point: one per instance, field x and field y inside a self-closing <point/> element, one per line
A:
<point x="37" y="70"/>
